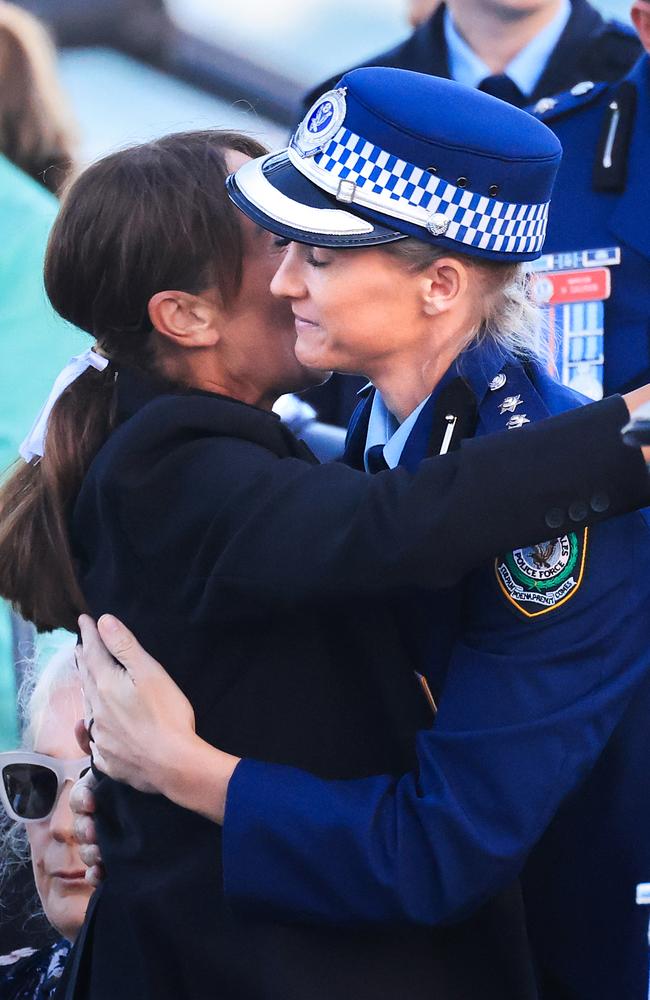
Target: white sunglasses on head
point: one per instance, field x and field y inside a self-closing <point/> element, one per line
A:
<point x="31" y="783"/>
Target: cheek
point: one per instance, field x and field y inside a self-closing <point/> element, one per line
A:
<point x="38" y="837"/>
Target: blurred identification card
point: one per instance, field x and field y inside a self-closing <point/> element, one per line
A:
<point x="572" y="288"/>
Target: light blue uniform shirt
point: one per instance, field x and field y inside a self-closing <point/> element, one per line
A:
<point x="524" y="70"/>
<point x="384" y="428"/>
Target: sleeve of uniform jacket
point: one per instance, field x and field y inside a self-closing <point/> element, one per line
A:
<point x="286" y="532"/>
<point x="527" y="708"/>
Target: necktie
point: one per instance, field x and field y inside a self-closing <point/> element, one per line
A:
<point x="375" y="459"/>
<point x="504" y="88"/>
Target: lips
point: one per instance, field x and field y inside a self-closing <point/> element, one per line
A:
<point x="303" y="319"/>
<point x="70" y="876"/>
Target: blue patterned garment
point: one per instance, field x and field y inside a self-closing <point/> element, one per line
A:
<point x="33" y="975"/>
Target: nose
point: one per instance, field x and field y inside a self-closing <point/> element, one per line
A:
<point x="287" y="281"/>
<point x="61" y="820"/>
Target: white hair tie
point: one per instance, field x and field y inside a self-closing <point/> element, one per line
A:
<point x="34" y="444"/>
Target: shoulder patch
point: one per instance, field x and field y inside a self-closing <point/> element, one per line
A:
<point x="586" y="92"/>
<point x="539" y="578"/>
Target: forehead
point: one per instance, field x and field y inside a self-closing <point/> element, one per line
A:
<point x="235" y="160"/>
<point x="54" y="726"/>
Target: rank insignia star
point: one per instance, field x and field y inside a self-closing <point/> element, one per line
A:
<point x="510" y="404"/>
<point x="518" y="420"/>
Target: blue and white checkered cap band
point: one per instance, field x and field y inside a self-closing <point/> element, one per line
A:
<point x="357" y="172"/>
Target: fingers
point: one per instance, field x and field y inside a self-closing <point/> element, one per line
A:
<point x="95" y="875"/>
<point x="85" y="832"/>
<point x="90" y="855"/>
<point x="92" y="658"/>
<point x="82" y="736"/>
<point x="124" y="646"/>
<point x="82" y="798"/>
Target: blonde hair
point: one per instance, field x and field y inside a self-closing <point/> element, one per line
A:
<point x="508" y="316"/>
<point x="36" y="131"/>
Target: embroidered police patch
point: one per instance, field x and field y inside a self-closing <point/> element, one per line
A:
<point x="542" y="577"/>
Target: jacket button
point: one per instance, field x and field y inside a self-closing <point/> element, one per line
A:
<point x="599" y="503"/>
<point x="554" y="517"/>
<point x="578" y="510"/>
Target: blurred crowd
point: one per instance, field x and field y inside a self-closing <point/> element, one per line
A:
<point x="586" y="76"/>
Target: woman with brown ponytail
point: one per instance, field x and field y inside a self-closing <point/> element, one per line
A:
<point x="158" y="485"/>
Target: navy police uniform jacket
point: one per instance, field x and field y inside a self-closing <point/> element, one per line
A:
<point x="601" y="201"/>
<point x="535" y="765"/>
<point x="266" y="585"/>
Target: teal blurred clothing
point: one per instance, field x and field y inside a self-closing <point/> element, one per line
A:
<point x="34" y="345"/>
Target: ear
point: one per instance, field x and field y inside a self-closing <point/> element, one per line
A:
<point x="185" y="320"/>
<point x="443" y="284"/>
<point x="640" y="14"/>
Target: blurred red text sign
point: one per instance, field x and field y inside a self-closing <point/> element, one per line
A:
<point x="562" y="287"/>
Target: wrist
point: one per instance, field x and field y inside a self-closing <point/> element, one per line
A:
<point x="634" y="400"/>
<point x="197" y="777"/>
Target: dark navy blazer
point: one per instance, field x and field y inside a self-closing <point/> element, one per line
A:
<point x="588" y="211"/>
<point x="535" y="764"/>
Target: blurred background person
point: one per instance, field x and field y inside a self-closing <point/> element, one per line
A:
<point x="34" y="792"/>
<point x="36" y="157"/>
<point x="599" y="235"/>
<point x="37" y="132"/>
<point x="419" y="10"/>
<point x="541" y="46"/>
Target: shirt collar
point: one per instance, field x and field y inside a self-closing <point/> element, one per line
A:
<point x="385" y="429"/>
<point x="524" y="70"/>
<point x="477" y="365"/>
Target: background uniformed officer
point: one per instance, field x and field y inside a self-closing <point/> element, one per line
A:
<point x="599" y="217"/>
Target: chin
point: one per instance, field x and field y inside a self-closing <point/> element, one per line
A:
<point x="316" y="376"/>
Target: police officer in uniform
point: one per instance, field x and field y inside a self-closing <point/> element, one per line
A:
<point x="536" y="666"/>
<point x="576" y="44"/>
<point x="599" y="218"/>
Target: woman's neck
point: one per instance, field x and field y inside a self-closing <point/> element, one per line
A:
<point x="204" y="372"/>
<point x="495" y="32"/>
<point x="404" y="381"/>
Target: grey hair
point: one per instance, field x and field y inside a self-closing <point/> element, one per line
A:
<point x="509" y="316"/>
<point x="34" y="698"/>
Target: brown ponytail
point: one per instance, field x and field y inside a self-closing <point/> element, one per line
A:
<point x="140" y="221"/>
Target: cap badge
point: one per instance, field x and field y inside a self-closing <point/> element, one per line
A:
<point x="321" y="122"/>
<point x="438" y="224"/>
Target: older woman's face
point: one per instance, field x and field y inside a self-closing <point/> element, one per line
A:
<point x="354" y="310"/>
<point x="58" y="869"/>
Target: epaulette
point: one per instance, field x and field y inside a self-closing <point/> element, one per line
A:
<point x="621" y="30"/>
<point x="549" y="109"/>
